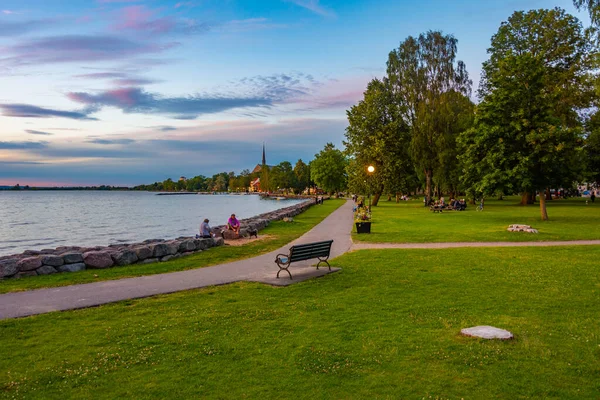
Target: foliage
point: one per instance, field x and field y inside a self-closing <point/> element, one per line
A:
<point x="387" y="326"/>
<point x="328" y="169"/>
<point x="301" y="176"/>
<point x="377" y="136"/>
<point x="362" y="215"/>
<point x="527" y="133"/>
<point x="427" y="82"/>
<point x="593" y="7"/>
<point x="282" y="176"/>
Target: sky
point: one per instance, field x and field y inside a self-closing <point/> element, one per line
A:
<point x="126" y="92"/>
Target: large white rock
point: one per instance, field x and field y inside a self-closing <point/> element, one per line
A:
<point x="487" y="332"/>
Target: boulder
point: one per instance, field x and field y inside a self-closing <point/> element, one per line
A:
<point x="29" y="264"/>
<point x="72" y="267"/>
<point x="72" y="258"/>
<point x="187" y="245"/>
<point x="230" y="235"/>
<point x="25" y="273"/>
<point x="125" y="257"/>
<point x="46" y="270"/>
<point x="8" y="267"/>
<point x="150" y="261"/>
<point x="487" y="332"/>
<point x="143" y="252"/>
<point x="166" y="258"/>
<point x="218" y="241"/>
<point x="98" y="259"/>
<point x="173" y="247"/>
<point x="47" y="251"/>
<point x="53" y="261"/>
<point x="159" y="250"/>
<point x="31" y="253"/>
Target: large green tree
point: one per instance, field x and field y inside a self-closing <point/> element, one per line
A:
<point x="328" y="169"/>
<point x="301" y="176"/>
<point x="421" y="72"/>
<point x="527" y="134"/>
<point x="377" y="135"/>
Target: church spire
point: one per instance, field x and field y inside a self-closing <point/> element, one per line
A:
<point x="264" y="159"/>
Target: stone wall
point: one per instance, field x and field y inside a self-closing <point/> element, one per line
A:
<point x="74" y="258"/>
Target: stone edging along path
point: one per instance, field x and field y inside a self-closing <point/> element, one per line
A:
<point x="74" y="258"/>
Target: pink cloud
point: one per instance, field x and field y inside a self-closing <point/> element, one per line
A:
<point x="139" y="18"/>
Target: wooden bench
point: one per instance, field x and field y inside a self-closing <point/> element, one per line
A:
<point x="436" y="209"/>
<point x="301" y="252"/>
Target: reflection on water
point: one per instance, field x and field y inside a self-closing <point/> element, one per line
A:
<point x="47" y="219"/>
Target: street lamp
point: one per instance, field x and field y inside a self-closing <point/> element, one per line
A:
<point x="370" y="170"/>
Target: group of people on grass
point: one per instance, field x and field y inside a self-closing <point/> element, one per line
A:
<point x="233" y="224"/>
<point x="454" y="204"/>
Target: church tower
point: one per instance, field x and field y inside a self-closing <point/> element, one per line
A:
<point x="264" y="158"/>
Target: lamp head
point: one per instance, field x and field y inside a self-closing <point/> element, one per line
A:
<point x="370" y="169"/>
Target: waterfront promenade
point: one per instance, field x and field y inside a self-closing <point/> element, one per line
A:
<point x="336" y="226"/>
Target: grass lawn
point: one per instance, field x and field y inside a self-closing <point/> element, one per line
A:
<point x="410" y="222"/>
<point x="386" y="326"/>
<point x="281" y="233"/>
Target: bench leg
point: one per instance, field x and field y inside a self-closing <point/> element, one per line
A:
<point x="286" y="269"/>
<point x="325" y="261"/>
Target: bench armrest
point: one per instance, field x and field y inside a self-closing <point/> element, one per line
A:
<point x="279" y="258"/>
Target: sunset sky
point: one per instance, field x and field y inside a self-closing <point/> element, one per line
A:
<point x="124" y="92"/>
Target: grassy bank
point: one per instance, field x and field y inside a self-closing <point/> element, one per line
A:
<point x="386" y="326"/>
<point x="410" y="222"/>
<point x="280" y="233"/>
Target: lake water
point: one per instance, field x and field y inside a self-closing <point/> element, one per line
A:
<point x="47" y="219"/>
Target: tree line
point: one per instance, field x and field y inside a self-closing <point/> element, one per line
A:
<point x="280" y="177"/>
<point x="535" y="127"/>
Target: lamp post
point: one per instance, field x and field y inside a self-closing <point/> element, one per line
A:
<point x="370" y="170"/>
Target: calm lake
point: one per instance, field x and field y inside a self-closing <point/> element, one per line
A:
<point x="47" y="219"/>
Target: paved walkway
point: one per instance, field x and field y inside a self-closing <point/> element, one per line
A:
<point x="450" y="245"/>
<point x="263" y="269"/>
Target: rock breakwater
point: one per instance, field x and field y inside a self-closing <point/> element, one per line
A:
<point x="75" y="258"/>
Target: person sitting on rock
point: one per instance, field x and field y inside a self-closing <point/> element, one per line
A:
<point x="233" y="224"/>
<point x="205" y="229"/>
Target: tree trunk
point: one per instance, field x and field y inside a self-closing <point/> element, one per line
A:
<point x="548" y="194"/>
<point x="543" y="211"/>
<point x="525" y="199"/>
<point x="428" y="185"/>
<point x="397" y="197"/>
<point x="501" y="196"/>
<point x="389" y="197"/>
<point x="376" y="199"/>
<point x="531" y="198"/>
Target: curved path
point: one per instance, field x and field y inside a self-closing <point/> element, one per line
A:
<point x="263" y="269"/>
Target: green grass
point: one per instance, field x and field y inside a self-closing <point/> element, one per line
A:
<point x="386" y="326"/>
<point x="410" y="222"/>
<point x="281" y="233"/>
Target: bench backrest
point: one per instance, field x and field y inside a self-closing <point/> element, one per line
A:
<point x="307" y="251"/>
